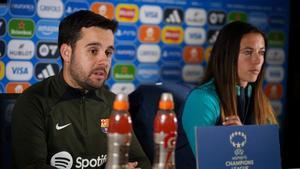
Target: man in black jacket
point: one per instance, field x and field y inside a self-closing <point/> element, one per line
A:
<point x="61" y="121"/>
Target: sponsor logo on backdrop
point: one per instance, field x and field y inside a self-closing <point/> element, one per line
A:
<point x="172" y="35"/>
<point x="20" y="49"/>
<point x="212" y="36"/>
<point x="19" y="70"/>
<point x="171" y="73"/>
<point x="277" y="107"/>
<point x="274" y="74"/>
<point x="193" y="54"/>
<point x="21" y="28"/>
<point x="2" y="70"/>
<point x="148" y="53"/>
<point x="171" y="54"/>
<point x="2" y="48"/>
<point x="216" y="18"/>
<point x="207" y="53"/>
<point x="148" y="73"/>
<point x="3" y="9"/>
<point x="126" y="88"/>
<point x="173" y="16"/>
<point x="73" y="6"/>
<point x="195" y="17"/>
<point x="149" y="34"/>
<point x="277" y="21"/>
<point x="104" y="9"/>
<point x="192" y="73"/>
<point x="275" y="56"/>
<point x="276" y="38"/>
<point x="258" y="19"/>
<point x="16" y="87"/>
<point x="124" y="72"/>
<point x="237" y="16"/>
<point x="2" y="26"/>
<point x="45" y="70"/>
<point x="22" y="8"/>
<point x="150" y="14"/>
<point x="1" y="88"/>
<point x="125" y="52"/>
<point x="127" y="13"/>
<point x="274" y="91"/>
<point x="47" y="50"/>
<point x="47" y="29"/>
<point x="194" y="36"/>
<point x="52" y="9"/>
<point x="126" y="33"/>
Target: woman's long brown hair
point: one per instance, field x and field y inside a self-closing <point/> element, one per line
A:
<point x="222" y="67"/>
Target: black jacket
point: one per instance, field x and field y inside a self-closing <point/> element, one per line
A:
<point x="56" y="125"/>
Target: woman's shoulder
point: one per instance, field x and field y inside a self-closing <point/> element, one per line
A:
<point x="207" y="89"/>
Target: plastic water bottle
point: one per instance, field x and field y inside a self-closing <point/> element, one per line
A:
<point x="165" y="133"/>
<point x="119" y="134"/>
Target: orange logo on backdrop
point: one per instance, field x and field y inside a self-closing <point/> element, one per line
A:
<point x="104" y="9"/>
<point x="193" y="54"/>
<point x="207" y="53"/>
<point x="149" y="34"/>
<point x="16" y="87"/>
<point x="127" y="13"/>
<point x="274" y="91"/>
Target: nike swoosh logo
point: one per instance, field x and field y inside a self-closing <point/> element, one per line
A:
<point x="61" y="127"/>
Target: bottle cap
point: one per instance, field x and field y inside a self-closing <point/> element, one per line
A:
<point x="121" y="102"/>
<point x="166" y="101"/>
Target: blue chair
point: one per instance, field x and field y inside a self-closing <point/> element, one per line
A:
<point x="143" y="107"/>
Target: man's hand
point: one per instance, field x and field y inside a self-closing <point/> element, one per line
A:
<point x="132" y="165"/>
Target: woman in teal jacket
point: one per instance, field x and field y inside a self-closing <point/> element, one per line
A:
<point x="231" y="91"/>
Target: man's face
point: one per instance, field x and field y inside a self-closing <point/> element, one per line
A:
<point x="91" y="58"/>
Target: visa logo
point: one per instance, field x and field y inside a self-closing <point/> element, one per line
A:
<point x="19" y="70"/>
<point x="151" y="14"/>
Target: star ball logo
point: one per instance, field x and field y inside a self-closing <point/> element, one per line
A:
<point x="238" y="140"/>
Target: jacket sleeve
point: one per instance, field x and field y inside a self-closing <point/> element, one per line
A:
<point x="201" y="109"/>
<point x="29" y="147"/>
<point x="136" y="153"/>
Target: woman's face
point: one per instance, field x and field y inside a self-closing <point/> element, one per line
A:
<point x="251" y="57"/>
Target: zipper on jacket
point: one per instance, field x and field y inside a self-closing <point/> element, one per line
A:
<point x="83" y="112"/>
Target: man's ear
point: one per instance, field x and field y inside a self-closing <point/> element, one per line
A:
<point x="66" y="52"/>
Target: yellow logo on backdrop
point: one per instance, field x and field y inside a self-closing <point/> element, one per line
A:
<point x="127" y="13"/>
<point x="172" y="35"/>
<point x="2" y="70"/>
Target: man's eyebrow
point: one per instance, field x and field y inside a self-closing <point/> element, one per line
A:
<point x="99" y="44"/>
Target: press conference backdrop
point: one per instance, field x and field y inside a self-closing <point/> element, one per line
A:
<point x="157" y="40"/>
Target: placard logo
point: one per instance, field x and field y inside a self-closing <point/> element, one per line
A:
<point x="22" y="8"/>
<point x="149" y="34"/>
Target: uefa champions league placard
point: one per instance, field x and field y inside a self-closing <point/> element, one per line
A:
<point x="238" y="147"/>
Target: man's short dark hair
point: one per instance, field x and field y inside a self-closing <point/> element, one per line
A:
<point x="70" y="26"/>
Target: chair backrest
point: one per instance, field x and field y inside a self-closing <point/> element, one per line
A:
<point x="7" y="102"/>
<point x="143" y="107"/>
